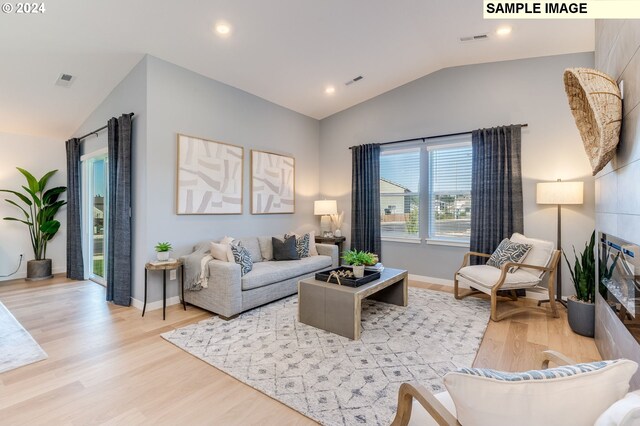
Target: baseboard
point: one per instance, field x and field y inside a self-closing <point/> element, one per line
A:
<point x="152" y="306"/>
<point x="23" y="274"/>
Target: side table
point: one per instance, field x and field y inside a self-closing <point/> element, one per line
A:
<point x="339" y="241"/>
<point x="164" y="267"/>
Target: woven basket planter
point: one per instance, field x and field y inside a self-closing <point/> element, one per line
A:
<point x="596" y="104"/>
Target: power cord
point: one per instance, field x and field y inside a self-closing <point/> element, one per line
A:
<point x="17" y="269"/>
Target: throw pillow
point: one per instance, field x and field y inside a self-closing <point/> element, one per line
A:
<point x="313" y="250"/>
<point x="221" y="250"/>
<point x="508" y="251"/>
<point x="242" y="257"/>
<point x="284" y="250"/>
<point x="302" y="244"/>
<point x="564" y="394"/>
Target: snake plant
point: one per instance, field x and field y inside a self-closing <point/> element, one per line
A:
<point x="583" y="271"/>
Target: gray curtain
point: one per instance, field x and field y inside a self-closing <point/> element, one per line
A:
<point x="119" y="241"/>
<point x="496" y="187"/>
<point x="365" y="198"/>
<point x="75" y="263"/>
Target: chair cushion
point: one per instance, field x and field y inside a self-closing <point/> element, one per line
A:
<point x="420" y="416"/>
<point x="625" y="412"/>
<point x="540" y="253"/>
<point x="508" y="251"/>
<point x="252" y="245"/>
<point x="265" y="273"/>
<point x="574" y="395"/>
<point x="487" y="276"/>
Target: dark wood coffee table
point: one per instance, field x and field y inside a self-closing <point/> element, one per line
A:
<point x="338" y="308"/>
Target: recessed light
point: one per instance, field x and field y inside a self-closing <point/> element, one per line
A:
<point x="223" y="29"/>
<point x="503" y="31"/>
<point x="330" y="90"/>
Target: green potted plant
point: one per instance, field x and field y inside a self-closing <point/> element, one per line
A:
<point x="358" y="260"/>
<point x="162" y="251"/>
<point x="581" y="307"/>
<point x="39" y="207"/>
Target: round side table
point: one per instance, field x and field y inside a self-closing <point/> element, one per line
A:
<point x="164" y="267"/>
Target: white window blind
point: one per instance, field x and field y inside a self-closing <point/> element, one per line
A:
<point x="399" y="193"/>
<point x="450" y="192"/>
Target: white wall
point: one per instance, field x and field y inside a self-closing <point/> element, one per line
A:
<point x="463" y="99"/>
<point x="38" y="155"/>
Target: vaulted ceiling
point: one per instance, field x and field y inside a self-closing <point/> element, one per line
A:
<point x="285" y="51"/>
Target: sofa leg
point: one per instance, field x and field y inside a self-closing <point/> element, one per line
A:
<point x="228" y="318"/>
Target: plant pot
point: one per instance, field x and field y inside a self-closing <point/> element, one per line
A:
<point x="581" y="317"/>
<point x="39" y="270"/>
<point x="358" y="271"/>
<point x="162" y="255"/>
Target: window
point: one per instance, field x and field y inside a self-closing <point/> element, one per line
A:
<point x="425" y="191"/>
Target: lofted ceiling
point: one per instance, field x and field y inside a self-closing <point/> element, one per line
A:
<point x="285" y="51"/>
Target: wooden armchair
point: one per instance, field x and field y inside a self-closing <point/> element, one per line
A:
<point x="542" y="259"/>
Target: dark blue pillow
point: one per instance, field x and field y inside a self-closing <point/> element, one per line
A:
<point x="285" y="250"/>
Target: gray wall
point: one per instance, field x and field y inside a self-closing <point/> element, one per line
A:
<point x="617" y="194"/>
<point x="461" y="99"/>
<point x="181" y="101"/>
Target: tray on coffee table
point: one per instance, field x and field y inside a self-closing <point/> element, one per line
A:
<point x="349" y="282"/>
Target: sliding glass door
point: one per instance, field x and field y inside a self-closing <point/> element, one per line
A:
<point x="94" y="202"/>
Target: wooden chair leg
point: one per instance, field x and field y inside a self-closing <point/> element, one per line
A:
<point x="494" y="306"/>
<point x="552" y="295"/>
<point x="513" y="295"/>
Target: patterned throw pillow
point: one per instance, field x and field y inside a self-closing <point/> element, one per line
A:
<point x="302" y="244"/>
<point x="242" y="257"/>
<point x="551" y="373"/>
<point x="508" y="251"/>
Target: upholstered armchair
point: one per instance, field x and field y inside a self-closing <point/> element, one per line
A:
<point x="581" y="394"/>
<point x="541" y="259"/>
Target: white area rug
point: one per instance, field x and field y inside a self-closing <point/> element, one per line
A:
<point x="17" y="347"/>
<point x="335" y="380"/>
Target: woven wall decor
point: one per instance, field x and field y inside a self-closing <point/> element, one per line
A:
<point x="596" y="104"/>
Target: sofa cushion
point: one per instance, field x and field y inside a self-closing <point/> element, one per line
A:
<point x="266" y="273"/>
<point x="266" y="248"/>
<point x="252" y="245"/>
<point x="486" y="276"/>
<point x="285" y="250"/>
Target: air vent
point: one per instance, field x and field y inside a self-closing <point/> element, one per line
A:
<point x="65" y="80"/>
<point x="477" y="37"/>
<point x="354" y="80"/>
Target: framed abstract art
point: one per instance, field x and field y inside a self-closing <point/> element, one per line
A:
<point x="273" y="188"/>
<point x="209" y="177"/>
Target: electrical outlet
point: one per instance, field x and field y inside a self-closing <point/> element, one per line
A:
<point x="172" y="275"/>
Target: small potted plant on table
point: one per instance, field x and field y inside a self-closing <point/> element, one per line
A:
<point x="358" y="260"/>
<point x="162" y="251"/>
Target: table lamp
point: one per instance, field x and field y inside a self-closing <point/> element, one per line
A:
<point x="559" y="193"/>
<point x="325" y="208"/>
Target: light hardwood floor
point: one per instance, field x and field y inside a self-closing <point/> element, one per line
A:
<point x="107" y="365"/>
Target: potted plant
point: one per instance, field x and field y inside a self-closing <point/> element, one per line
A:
<point x="358" y="260"/>
<point x="162" y="251"/>
<point x="39" y="207"/>
<point x="581" y="307"/>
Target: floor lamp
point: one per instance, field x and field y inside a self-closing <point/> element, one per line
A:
<point x="559" y="193"/>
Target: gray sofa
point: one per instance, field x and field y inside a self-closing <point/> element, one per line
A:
<point x="227" y="293"/>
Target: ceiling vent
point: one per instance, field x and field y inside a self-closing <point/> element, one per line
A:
<point x="477" y="37"/>
<point x="65" y="80"/>
<point x="354" y="80"/>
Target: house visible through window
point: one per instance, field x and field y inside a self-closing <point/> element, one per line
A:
<point x="425" y="191"/>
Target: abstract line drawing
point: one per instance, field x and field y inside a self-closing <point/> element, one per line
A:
<point x="209" y="177"/>
<point x="273" y="187"/>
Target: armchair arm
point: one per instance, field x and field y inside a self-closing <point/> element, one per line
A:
<point x="329" y="250"/>
<point x="467" y="255"/>
<point x="555" y="357"/>
<point x="436" y="410"/>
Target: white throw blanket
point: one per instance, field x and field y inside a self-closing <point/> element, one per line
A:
<point x="203" y="278"/>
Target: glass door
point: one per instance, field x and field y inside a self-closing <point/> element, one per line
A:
<point x="94" y="201"/>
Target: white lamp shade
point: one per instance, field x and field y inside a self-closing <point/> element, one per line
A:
<point x="560" y="192"/>
<point x="322" y="207"/>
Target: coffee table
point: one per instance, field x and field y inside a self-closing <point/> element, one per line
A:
<point x="337" y="308"/>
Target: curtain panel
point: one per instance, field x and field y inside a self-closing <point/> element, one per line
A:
<point x="75" y="263"/>
<point x="119" y="240"/>
<point x="365" y="199"/>
<point x="496" y="187"/>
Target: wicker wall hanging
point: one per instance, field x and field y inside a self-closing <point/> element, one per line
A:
<point x="596" y="104"/>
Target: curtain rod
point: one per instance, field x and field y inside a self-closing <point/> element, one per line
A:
<point x="424" y="138"/>
<point x="95" y="132"/>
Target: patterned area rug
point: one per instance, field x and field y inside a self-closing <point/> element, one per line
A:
<point x="334" y="380"/>
<point x="17" y="347"/>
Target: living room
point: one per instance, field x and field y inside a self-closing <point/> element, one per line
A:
<point x="286" y="84"/>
